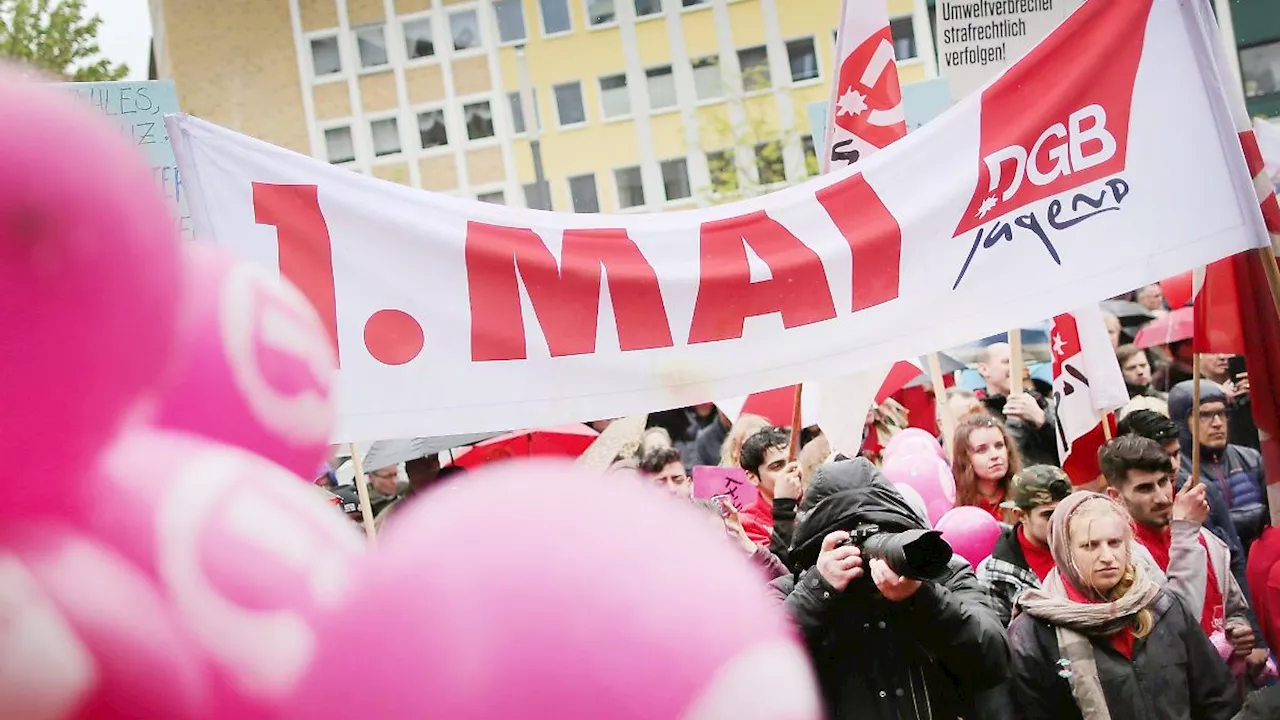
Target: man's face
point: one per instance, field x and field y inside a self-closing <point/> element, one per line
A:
<point x="1212" y="425"/>
<point x="1173" y="448"/>
<point x="675" y="480"/>
<point x="385" y="480"/>
<point x="422" y="472"/>
<point x="1113" y="330"/>
<point x="1151" y="297"/>
<point x="1213" y="365"/>
<point x="775" y="461"/>
<point x="1137" y="371"/>
<point x="1148" y="496"/>
<point x="1035" y="523"/>
<point x="995" y="369"/>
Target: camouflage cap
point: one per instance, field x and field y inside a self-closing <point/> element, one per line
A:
<point x="1037" y="485"/>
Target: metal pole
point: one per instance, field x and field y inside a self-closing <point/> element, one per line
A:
<point x="531" y="129"/>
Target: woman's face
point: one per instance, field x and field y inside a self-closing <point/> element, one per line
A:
<point x="988" y="454"/>
<point x="1099" y="548"/>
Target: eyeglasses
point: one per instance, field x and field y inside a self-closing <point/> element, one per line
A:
<point x="1211" y="415"/>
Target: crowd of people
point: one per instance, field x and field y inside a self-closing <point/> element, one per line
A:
<point x="1143" y="593"/>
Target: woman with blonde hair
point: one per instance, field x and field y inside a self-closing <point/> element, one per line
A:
<point x="1101" y="640"/>
<point x="984" y="460"/>
<point x="744" y="427"/>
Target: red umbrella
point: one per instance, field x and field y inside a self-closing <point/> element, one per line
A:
<point x="1177" y="325"/>
<point x="566" y="440"/>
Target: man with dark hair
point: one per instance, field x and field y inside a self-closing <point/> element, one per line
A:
<point x="1021" y="558"/>
<point x="664" y="466"/>
<point x="777" y="480"/>
<point x="1196" y="564"/>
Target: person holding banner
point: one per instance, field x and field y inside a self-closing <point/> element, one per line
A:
<point x="1027" y="415"/>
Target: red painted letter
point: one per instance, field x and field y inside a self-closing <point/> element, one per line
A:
<point x="874" y="238"/>
<point x="566" y="300"/>
<point x="726" y="295"/>
<point x="306" y="259"/>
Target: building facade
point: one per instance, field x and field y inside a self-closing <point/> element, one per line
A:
<point x="1257" y="31"/>
<point x="641" y="105"/>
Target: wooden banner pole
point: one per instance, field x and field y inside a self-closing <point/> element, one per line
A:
<point x="793" y="449"/>
<point x="362" y="488"/>
<point x="1193" y="422"/>
<point x="1016" y="364"/>
<point x="940" y="400"/>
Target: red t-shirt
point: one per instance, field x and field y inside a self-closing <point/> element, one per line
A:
<point x="1213" y="614"/>
<point x="1263" y="574"/>
<point x="1039" y="559"/>
<point x="757" y="520"/>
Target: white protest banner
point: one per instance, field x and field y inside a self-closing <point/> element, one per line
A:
<point x="454" y="316"/>
<point x="138" y="109"/>
<point x="979" y="38"/>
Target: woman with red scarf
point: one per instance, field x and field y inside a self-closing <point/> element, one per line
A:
<point x="984" y="460"/>
<point x="1102" y="641"/>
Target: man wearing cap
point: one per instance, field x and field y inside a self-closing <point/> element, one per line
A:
<point x="1021" y="558"/>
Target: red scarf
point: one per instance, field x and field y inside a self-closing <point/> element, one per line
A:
<point x="992" y="505"/>
<point x="1213" y="614"/>
<point x="1122" y="640"/>
<point x="1039" y="559"/>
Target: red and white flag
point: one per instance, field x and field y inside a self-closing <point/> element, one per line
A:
<point x="866" y="112"/>
<point x="1087" y="388"/>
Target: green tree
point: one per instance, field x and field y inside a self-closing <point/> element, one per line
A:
<point x="55" y="37"/>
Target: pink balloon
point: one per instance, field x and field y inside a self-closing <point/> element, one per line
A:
<point x="972" y="533"/>
<point x="254" y="368"/>
<point x="928" y="476"/>
<point x="89" y="283"/>
<point x="495" y="611"/>
<point x="85" y="635"/>
<point x="910" y="441"/>
<point x="242" y="550"/>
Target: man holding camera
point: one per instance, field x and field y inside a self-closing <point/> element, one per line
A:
<point x="894" y="628"/>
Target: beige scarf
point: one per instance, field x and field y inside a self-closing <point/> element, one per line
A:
<point x="1077" y="624"/>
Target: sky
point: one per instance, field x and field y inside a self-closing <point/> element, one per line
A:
<point x="125" y="34"/>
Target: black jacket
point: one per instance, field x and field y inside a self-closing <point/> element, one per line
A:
<point x="1175" y="673"/>
<point x="1038" y="445"/>
<point x="926" y="657"/>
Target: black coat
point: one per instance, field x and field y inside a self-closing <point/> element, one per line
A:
<point x="1175" y="673"/>
<point x="926" y="657"/>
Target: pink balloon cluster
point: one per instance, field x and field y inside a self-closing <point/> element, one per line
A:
<point x="163" y="560"/>
<point x="914" y="459"/>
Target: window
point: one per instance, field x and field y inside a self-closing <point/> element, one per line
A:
<point x="431" y="129"/>
<point x="555" y="16"/>
<point x="497" y="197"/>
<point x="418" y="42"/>
<point x="537" y="198"/>
<point x="695" y="3"/>
<point x="338" y="145"/>
<point x="614" y="97"/>
<point x="386" y="137"/>
<point x="517" y="111"/>
<point x="479" y="120"/>
<point x="372" y="43"/>
<point x="1260" y="67"/>
<point x="811" y="164"/>
<point x="325" y="58"/>
<point x="706" y="78"/>
<point x="803" y="58"/>
<point x="569" y="104"/>
<point x="904" y="38"/>
<point x="582" y="192"/>
<point x="662" y="87"/>
<point x="600" y="12"/>
<point x="510" y="14"/>
<point x="769" y="163"/>
<point x="724" y="172"/>
<point x="648" y="7"/>
<point x="675" y="179"/>
<point x="465" y="27"/>
<point x="755" y="68"/>
<point x="630" y="187"/>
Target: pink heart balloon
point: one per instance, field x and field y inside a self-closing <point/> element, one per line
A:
<point x="242" y="550"/>
<point x="85" y="635"/>
<point x="254" y="367"/>
<point x="972" y="533"/>
<point x="538" y="590"/>
<point x="929" y="476"/>
<point x="89" y="283"/>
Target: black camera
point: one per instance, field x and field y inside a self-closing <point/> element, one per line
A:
<point x="915" y="554"/>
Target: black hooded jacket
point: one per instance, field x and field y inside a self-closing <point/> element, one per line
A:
<point x="928" y="656"/>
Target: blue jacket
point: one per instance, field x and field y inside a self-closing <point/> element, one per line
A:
<point x="1234" y="470"/>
